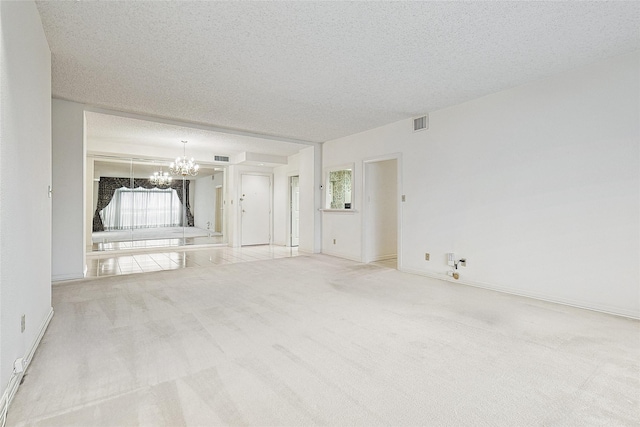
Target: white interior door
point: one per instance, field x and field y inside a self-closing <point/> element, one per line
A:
<point x="295" y="209"/>
<point x="256" y="209"/>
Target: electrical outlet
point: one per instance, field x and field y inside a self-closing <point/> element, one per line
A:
<point x="426" y="257"/>
<point x="463" y="262"/>
<point x="334" y="241"/>
<point x="22" y="323"/>
<point x="18" y="365"/>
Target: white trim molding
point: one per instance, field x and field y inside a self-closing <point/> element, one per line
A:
<point x="347" y="211"/>
<point x="65" y="277"/>
<point x="602" y="308"/>
<point x="341" y="255"/>
<point x="16" y="378"/>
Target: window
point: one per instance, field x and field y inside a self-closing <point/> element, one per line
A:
<point x="142" y="208"/>
<point x="339" y="190"/>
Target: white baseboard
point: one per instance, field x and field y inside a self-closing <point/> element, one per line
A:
<point x="16" y="379"/>
<point x="602" y="308"/>
<point x="383" y="257"/>
<point x="62" y="277"/>
<point x="339" y="255"/>
<point x="307" y="250"/>
<point x="36" y="342"/>
<point x="304" y="251"/>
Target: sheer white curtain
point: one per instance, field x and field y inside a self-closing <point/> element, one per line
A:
<point x="142" y="208"/>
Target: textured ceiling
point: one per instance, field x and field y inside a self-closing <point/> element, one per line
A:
<point x="318" y="70"/>
<point x="105" y="128"/>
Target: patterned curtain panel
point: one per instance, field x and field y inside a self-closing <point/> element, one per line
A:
<point x="108" y="186"/>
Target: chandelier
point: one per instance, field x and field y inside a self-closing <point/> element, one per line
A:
<point x="183" y="166"/>
<point x="160" y="178"/>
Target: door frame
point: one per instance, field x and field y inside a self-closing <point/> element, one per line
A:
<point x="365" y="209"/>
<point x="270" y="176"/>
<point x="219" y="214"/>
<point x="289" y="210"/>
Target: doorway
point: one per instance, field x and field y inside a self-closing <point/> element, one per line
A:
<point x="255" y="209"/>
<point x="220" y="210"/>
<point x="294" y="204"/>
<point x="380" y="237"/>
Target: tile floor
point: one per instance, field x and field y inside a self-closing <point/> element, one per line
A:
<point x="110" y="264"/>
<point x="155" y="243"/>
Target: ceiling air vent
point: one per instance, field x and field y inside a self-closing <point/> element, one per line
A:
<point x="221" y="158"/>
<point x="420" y="123"/>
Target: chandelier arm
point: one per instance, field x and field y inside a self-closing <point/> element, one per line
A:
<point x="184" y="166"/>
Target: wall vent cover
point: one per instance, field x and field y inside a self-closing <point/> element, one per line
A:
<point x="221" y="158"/>
<point x="421" y="123"/>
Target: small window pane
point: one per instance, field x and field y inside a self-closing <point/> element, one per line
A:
<point x="340" y="189"/>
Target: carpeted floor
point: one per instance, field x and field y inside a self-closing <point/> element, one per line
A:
<point x="316" y="340"/>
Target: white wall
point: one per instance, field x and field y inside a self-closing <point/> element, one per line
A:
<point x="25" y="208"/>
<point x="341" y="230"/>
<point x="68" y="204"/>
<point x="303" y="165"/>
<point x="537" y="186"/>
<point x="310" y="167"/>
<point x="204" y="205"/>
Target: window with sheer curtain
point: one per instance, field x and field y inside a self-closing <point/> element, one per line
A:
<point x="142" y="208"/>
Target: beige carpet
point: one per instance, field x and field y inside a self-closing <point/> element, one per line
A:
<point x="321" y="341"/>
